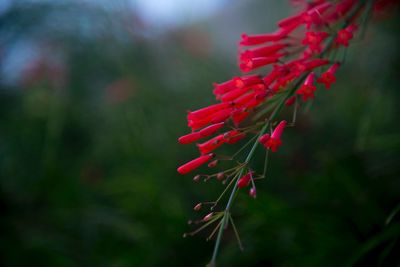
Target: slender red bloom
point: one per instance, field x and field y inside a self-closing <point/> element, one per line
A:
<point x="308" y="88"/>
<point x="244" y="180"/>
<point x="256" y="39"/>
<point x="258" y="62"/>
<point x="263" y="51"/>
<point x="189" y="138"/>
<point x="192" y="137"/>
<point x="207" y="111"/>
<point x="234" y="136"/>
<point x="328" y="77"/>
<point x="211" y="129"/>
<point x="274" y="141"/>
<point x="221" y="88"/>
<point x="211" y="144"/>
<point x="194" y="164"/>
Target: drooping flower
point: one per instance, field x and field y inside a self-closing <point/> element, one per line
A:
<point x="274" y="141"/>
<point x="308" y="88"/>
<point x="195" y="163"/>
<point x="328" y="77"/>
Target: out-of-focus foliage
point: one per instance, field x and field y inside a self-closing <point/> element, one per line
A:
<point x="91" y="104"/>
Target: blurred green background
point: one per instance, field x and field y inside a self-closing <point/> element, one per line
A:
<point x="93" y="95"/>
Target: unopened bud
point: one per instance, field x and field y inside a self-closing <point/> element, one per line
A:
<point x="198" y="207"/>
<point x="220" y="176"/>
<point x="213" y="163"/>
<point x="253" y="192"/>
<point x="208" y="216"/>
<point x="197" y="178"/>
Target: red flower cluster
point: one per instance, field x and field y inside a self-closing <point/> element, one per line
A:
<point x="248" y="104"/>
<point x="321" y="26"/>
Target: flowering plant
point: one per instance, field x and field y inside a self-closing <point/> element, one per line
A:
<point x="303" y="53"/>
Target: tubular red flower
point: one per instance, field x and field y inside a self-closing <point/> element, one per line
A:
<point x="194" y="164"/>
<point x="244" y="180"/>
<point x="263" y="51"/>
<point x="232" y="95"/>
<point x="307" y="90"/>
<point x="255" y="39"/>
<point x="192" y="137"/>
<point x="211" y="144"/>
<point x="274" y="141"/>
<point x="234" y="136"/>
<point x="189" y="138"/>
<point x="207" y="111"/>
<point x="221" y="88"/>
<point x="254" y="63"/>
<point x="211" y="129"/>
<point x="328" y="77"/>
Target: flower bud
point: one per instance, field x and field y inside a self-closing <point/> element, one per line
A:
<point x="198" y="207"/>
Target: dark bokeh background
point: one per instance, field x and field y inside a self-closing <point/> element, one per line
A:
<point x="93" y="98"/>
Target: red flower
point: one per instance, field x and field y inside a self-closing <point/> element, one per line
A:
<point x="307" y="90"/>
<point x="314" y="40"/>
<point x="290" y="101"/>
<point x="234" y="136"/>
<point x="263" y="51"/>
<point x="245" y="180"/>
<point x="274" y="141"/>
<point x="197" y="162"/>
<point x="328" y="77"/>
<point x="345" y="35"/>
<point x="211" y="144"/>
